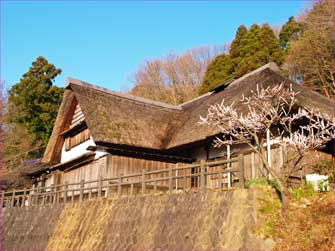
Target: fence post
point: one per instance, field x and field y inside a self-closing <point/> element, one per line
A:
<point x="52" y="194"/>
<point x="131" y="189"/>
<point x="30" y="194"/>
<point x="13" y="198"/>
<point x="241" y="170"/>
<point x="155" y="186"/>
<point x="57" y="194"/>
<point x="99" y="187"/>
<point x="2" y="199"/>
<point x="65" y="191"/>
<point x="143" y="181"/>
<point x="119" y="186"/>
<point x="170" y="179"/>
<point x="202" y="175"/>
<point x="24" y="198"/>
<point x="37" y="195"/>
<point x="81" y="196"/>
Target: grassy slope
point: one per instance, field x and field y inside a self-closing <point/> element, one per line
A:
<point x="309" y="224"/>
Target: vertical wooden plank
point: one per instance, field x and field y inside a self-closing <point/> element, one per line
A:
<point x="170" y="180"/>
<point x="23" y="197"/>
<point x="202" y="175"/>
<point x="155" y="185"/>
<point x="119" y="186"/>
<point x="176" y="176"/>
<point x="143" y="181"/>
<point x="43" y="198"/>
<point x="221" y="176"/>
<point x="65" y="191"/>
<point x="13" y="198"/>
<point x="57" y="195"/>
<point x="99" y="186"/>
<point x="253" y="165"/>
<point x="228" y="167"/>
<point x="131" y="189"/>
<point x="2" y="199"/>
<point x="90" y="193"/>
<point x="81" y="195"/>
<point x="241" y="170"/>
<point x="30" y="197"/>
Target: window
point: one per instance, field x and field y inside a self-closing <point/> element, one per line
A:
<point x="77" y="139"/>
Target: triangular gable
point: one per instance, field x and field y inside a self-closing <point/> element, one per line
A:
<point x="63" y="122"/>
<point x="77" y="117"/>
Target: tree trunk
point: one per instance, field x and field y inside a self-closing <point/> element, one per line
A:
<point x="284" y="196"/>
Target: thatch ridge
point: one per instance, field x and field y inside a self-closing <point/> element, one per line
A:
<point x="71" y="81"/>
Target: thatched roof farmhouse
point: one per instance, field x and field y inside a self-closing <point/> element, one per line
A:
<point x="94" y="123"/>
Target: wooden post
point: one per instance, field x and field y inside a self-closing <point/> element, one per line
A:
<point x="221" y="176"/>
<point x="143" y="181"/>
<point x="131" y="189"/>
<point x="184" y="183"/>
<point x="170" y="179"/>
<point x="228" y="166"/>
<point x="89" y="193"/>
<point x="176" y="176"/>
<point x="155" y="185"/>
<point x="13" y="198"/>
<point x="52" y="194"/>
<point x="57" y="194"/>
<point x="119" y="186"/>
<point x="30" y="197"/>
<point x="253" y="173"/>
<point x="65" y="191"/>
<point x="99" y="187"/>
<point x="2" y="199"/>
<point x="43" y="198"/>
<point x="24" y="198"/>
<point x="202" y="175"/>
<point x="268" y="149"/>
<point x="37" y="195"/>
<point x="241" y="170"/>
<point x="81" y="195"/>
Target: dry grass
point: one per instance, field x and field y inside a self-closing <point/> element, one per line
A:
<point x="308" y="225"/>
<point x="310" y="228"/>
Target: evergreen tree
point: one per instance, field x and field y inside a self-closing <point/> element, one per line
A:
<point x="219" y="70"/>
<point x="34" y="101"/>
<point x="290" y="31"/>
<point x="237" y="43"/>
<point x="249" y="50"/>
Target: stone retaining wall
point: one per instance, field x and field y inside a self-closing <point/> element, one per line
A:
<point x="221" y="220"/>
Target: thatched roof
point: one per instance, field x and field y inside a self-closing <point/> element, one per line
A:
<point x="126" y="120"/>
<point x="265" y="76"/>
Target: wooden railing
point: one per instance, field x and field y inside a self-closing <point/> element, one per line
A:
<point x="199" y="176"/>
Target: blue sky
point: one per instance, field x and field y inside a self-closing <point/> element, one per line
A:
<point x="104" y="42"/>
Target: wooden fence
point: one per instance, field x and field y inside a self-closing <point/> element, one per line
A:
<point x="197" y="176"/>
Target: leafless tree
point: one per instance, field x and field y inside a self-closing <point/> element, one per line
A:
<point x="311" y="57"/>
<point x="272" y="113"/>
<point x="174" y="78"/>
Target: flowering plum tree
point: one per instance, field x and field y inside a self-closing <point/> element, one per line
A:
<point x="271" y="113"/>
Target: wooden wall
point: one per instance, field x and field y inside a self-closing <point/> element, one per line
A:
<point x="110" y="166"/>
